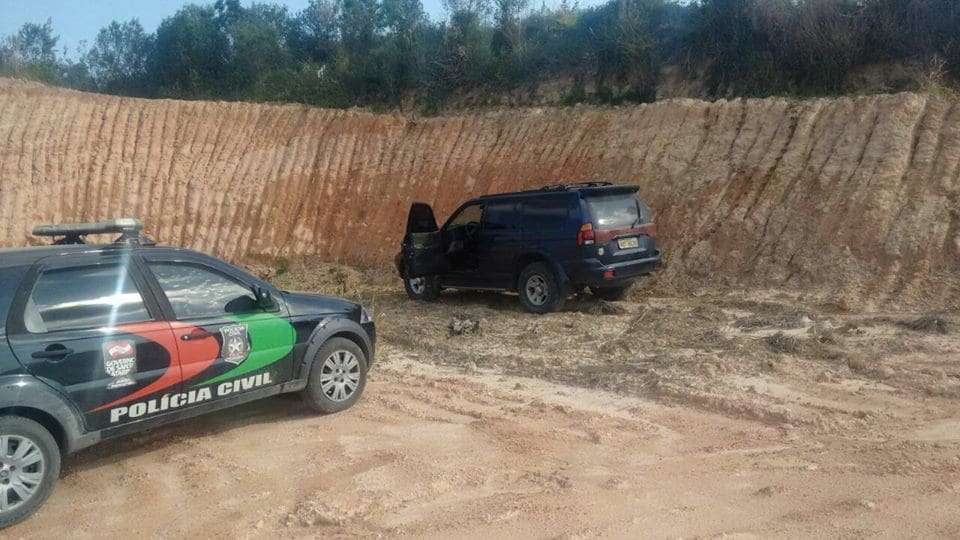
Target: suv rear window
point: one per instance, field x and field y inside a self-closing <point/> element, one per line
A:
<point x="617" y="211"/>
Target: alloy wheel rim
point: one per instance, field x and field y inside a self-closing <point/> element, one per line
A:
<point x="417" y="285"/>
<point x="536" y="290"/>
<point x="22" y="467"/>
<point x="340" y="376"/>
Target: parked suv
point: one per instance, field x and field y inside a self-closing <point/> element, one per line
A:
<point x="543" y="244"/>
<point x="98" y="341"/>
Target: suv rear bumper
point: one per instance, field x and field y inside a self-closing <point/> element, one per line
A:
<point x="592" y="272"/>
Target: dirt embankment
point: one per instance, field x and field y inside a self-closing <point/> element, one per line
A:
<point x="853" y="198"/>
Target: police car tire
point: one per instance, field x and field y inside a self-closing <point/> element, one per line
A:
<point x="313" y="394"/>
<point x="37" y="434"/>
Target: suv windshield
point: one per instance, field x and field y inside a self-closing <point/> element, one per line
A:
<point x="617" y="211"/>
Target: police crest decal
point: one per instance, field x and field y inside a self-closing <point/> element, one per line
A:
<point x="236" y="343"/>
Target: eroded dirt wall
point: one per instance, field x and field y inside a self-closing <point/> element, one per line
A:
<point x="853" y="197"/>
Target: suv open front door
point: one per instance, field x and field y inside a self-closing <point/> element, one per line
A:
<point x="423" y="249"/>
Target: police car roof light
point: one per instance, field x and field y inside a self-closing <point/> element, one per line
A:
<point x="73" y="233"/>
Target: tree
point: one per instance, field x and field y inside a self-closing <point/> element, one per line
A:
<point x="258" y="47"/>
<point x="737" y="54"/>
<point x="403" y="20"/>
<point x="360" y="20"/>
<point x="315" y="30"/>
<point x="31" y="52"/>
<point x="118" y="60"/>
<point x="638" y="51"/>
<point x="467" y="55"/>
<point x="479" y="9"/>
<point x="506" y="42"/>
<point x="191" y="54"/>
<point x="507" y="36"/>
<point x="36" y="43"/>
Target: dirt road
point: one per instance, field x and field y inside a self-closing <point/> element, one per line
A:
<point x="734" y="414"/>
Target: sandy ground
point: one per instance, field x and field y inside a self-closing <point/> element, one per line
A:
<point x="733" y="414"/>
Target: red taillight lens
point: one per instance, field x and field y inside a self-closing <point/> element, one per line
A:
<point x="585" y="235"/>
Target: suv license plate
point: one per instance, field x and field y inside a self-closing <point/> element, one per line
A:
<point x="628" y="243"/>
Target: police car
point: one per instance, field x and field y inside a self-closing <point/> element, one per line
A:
<point x="98" y="341"/>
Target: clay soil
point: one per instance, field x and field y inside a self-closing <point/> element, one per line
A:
<point x="754" y="413"/>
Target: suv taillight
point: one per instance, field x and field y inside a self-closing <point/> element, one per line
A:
<point x="585" y="235"/>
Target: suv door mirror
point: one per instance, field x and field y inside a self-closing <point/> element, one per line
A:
<point x="265" y="299"/>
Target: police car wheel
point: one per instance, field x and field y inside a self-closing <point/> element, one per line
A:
<point x="29" y="468"/>
<point x="337" y="377"/>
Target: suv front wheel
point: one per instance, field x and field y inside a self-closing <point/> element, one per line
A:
<point x="29" y="468"/>
<point x="539" y="290"/>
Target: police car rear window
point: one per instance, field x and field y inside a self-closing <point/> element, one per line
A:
<point x="85" y="297"/>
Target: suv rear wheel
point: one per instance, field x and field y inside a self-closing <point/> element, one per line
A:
<point x="29" y="468"/>
<point x="539" y="290"/>
<point x="337" y="377"/>
<point x="422" y="288"/>
<point x="609" y="293"/>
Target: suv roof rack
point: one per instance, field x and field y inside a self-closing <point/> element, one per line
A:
<point x="74" y="233"/>
<point x="565" y="187"/>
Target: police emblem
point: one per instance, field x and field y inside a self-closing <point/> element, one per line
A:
<point x="119" y="361"/>
<point x="236" y="343"/>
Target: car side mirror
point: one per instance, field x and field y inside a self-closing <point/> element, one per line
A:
<point x="264" y="298"/>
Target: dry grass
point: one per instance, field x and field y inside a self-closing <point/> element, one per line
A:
<point x="931" y="324"/>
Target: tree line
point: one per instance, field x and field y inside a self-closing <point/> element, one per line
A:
<point x="388" y="54"/>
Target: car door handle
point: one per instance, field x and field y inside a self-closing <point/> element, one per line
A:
<point x="197" y="334"/>
<point x="52" y="354"/>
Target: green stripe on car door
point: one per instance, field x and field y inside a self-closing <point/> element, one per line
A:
<point x="271" y="340"/>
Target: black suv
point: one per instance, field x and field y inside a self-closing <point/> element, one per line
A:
<point x="543" y="244"/>
<point x="98" y="341"/>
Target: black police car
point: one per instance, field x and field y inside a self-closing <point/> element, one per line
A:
<point x="98" y="341"/>
<point x="543" y="244"/>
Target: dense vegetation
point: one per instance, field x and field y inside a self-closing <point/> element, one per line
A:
<point x="386" y="53"/>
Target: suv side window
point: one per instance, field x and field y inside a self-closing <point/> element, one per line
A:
<point x="83" y="297"/>
<point x="500" y="216"/>
<point x="470" y="214"/>
<point x="545" y="214"/>
<point x="196" y="291"/>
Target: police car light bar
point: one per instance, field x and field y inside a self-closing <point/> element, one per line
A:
<point x="128" y="228"/>
<point x="118" y="226"/>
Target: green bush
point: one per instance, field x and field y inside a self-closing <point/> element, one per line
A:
<point x="387" y="54"/>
